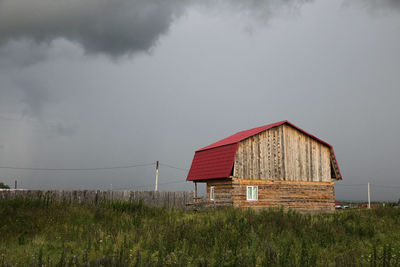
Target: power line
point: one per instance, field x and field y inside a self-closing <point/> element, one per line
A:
<point x="350" y="184"/>
<point x="76" y="169"/>
<point x="385" y="186"/>
<point x="88" y="169"/>
<point x="152" y="185"/>
<point x="172" y="182"/>
<point x="173" y="167"/>
<point x="374" y="185"/>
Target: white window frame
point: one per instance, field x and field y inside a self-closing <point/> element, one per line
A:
<point x="212" y="192"/>
<point x="252" y="193"/>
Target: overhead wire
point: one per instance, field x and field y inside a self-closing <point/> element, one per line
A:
<point x="371" y="184"/>
<point x="350" y="184"/>
<point x="385" y="186"/>
<point x="151" y="185"/>
<point x="104" y="168"/>
<point x="90" y="169"/>
<point x="152" y="164"/>
<point x="172" y="182"/>
<point x="77" y="169"/>
<point x="173" y="167"/>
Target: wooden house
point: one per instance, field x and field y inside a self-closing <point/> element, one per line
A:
<point x="269" y="166"/>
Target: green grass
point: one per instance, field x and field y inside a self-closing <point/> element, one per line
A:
<point x="42" y="232"/>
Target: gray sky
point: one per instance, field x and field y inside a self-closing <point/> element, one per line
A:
<point x="97" y="83"/>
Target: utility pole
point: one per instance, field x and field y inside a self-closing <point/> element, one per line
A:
<point x="156" y="185"/>
<point x="369" y="196"/>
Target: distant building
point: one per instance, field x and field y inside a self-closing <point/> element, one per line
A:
<point x="269" y="166"/>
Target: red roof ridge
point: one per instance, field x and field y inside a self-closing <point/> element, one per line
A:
<point x="240" y="136"/>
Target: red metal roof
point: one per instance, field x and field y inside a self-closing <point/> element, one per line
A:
<point x="213" y="164"/>
<point x="216" y="160"/>
<point x="237" y="137"/>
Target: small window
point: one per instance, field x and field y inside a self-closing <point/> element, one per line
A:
<point x="252" y="193"/>
<point x="212" y="189"/>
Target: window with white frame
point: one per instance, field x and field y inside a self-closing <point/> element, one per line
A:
<point x="212" y="193"/>
<point x="252" y="193"/>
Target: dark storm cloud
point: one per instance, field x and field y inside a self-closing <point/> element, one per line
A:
<point x="118" y="27"/>
<point x="17" y="54"/>
<point x="112" y="27"/>
<point x="115" y="27"/>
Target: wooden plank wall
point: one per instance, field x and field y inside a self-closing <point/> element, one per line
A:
<point x="302" y="196"/>
<point x="166" y="199"/>
<point x="222" y="191"/>
<point x="260" y="157"/>
<point x="305" y="158"/>
<point x="282" y="153"/>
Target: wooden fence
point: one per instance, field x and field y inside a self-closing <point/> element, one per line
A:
<point x="168" y="199"/>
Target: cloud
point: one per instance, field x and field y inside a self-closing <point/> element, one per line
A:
<point x="111" y="27"/>
<point x="60" y="129"/>
<point x="375" y="5"/>
<point x="100" y="26"/>
<point x="34" y="97"/>
<point x="22" y="54"/>
<point x="118" y="27"/>
<point x="264" y="9"/>
<point x="382" y="3"/>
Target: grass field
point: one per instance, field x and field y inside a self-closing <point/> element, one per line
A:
<point x="45" y="233"/>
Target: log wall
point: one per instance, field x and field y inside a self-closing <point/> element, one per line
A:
<point x="298" y="195"/>
<point x="283" y="153"/>
<point x="222" y="192"/>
